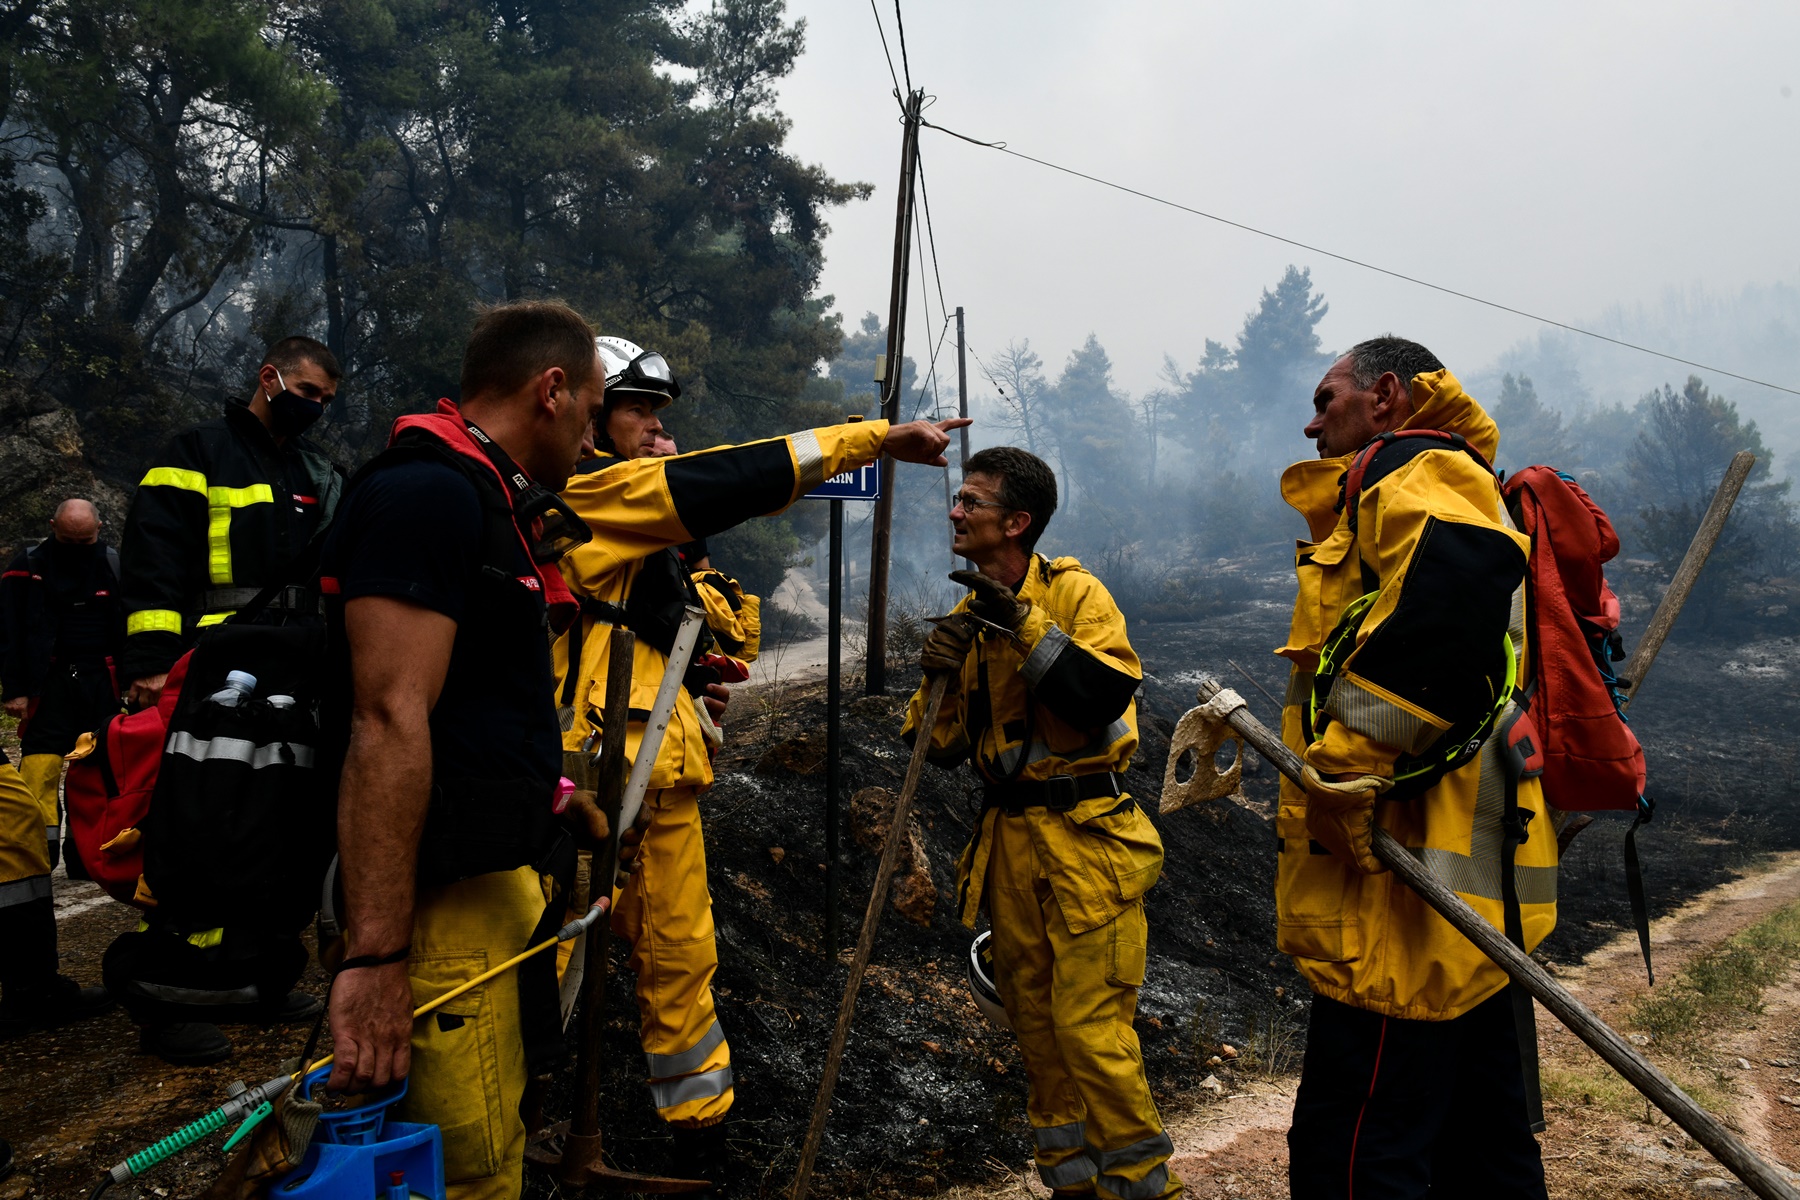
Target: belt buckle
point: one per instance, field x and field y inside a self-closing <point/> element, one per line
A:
<point x="1060" y="793"/>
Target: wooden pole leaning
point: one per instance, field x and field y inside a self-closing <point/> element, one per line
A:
<point x="1759" y="1176"/>
<point x="1705" y="538"/>
<point x="865" y="944"/>
<point x="582" y="1161"/>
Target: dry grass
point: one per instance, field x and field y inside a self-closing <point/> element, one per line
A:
<point x="1724" y="984"/>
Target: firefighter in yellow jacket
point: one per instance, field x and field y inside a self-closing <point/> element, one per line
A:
<point x="1407" y="647"/>
<point x="641" y="507"/>
<point x="1041" y="702"/>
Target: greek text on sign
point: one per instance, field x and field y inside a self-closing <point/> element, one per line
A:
<point x="864" y="483"/>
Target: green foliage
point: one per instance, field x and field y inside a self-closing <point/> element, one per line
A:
<point x="1530" y="433"/>
<point x="371" y="171"/>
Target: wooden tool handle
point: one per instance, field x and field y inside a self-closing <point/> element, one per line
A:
<point x="865" y="944"/>
<point x="1759" y="1176"/>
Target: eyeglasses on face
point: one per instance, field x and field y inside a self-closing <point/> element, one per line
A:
<point x="968" y="503"/>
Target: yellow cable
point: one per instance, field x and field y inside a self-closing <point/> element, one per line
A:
<point x="453" y="993"/>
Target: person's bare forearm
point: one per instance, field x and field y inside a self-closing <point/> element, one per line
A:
<point x="381" y="816"/>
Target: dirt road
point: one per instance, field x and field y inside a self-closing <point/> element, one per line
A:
<point x="1601" y="1142"/>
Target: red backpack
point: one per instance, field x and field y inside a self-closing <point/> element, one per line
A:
<point x="1592" y="759"/>
<point x="107" y="790"/>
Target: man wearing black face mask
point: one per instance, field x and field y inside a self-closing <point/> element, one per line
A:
<point x="223" y="510"/>
<point x="229" y="507"/>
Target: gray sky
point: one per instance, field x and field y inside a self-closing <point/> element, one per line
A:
<point x="1562" y="158"/>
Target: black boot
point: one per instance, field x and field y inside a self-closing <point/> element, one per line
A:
<point x="185" y="1043"/>
<point x="32" y="995"/>
<point x="703" y="1154"/>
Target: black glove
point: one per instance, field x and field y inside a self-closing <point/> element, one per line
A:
<point x="631" y="842"/>
<point x="992" y="601"/>
<point x="947" y="645"/>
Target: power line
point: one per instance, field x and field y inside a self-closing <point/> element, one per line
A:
<point x="925" y="199"/>
<point x="884" y="48"/>
<point x="1003" y="148"/>
<point x="900" y="25"/>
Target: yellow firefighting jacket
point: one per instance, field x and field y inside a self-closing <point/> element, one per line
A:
<point x="1058" y="702"/>
<point x="638" y="507"/>
<point x="1434" y="540"/>
<point x="734" y="616"/>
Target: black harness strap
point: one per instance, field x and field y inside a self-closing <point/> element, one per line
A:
<point x="1634" y="883"/>
<point x="1520" y="759"/>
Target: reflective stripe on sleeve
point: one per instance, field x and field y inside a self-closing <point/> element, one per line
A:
<point x="175" y="477"/>
<point x="670" y="1092"/>
<point x="809" y="461"/>
<point x="240" y="750"/>
<point x="153" y="620"/>
<point x="663" y="1066"/>
<point x="1042" y="655"/>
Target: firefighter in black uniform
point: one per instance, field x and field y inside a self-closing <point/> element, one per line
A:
<point x="61" y="628"/>
<point x="224" y="511"/>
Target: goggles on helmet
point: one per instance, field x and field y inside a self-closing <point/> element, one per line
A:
<point x="648" y="372"/>
<point x="550" y="526"/>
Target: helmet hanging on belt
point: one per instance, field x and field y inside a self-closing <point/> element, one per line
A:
<point x="981" y="979"/>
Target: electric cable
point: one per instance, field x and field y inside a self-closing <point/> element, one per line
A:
<point x="884" y="49"/>
<point x="905" y="67"/>
<point x="1003" y="148"/>
<point x="930" y="234"/>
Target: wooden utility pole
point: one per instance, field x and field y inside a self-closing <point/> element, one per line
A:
<point x="962" y="387"/>
<point x="891" y="377"/>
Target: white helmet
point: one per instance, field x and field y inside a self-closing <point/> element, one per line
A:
<point x="631" y="368"/>
<point x="981" y="979"/>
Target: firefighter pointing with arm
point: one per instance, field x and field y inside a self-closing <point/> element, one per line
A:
<point x="1407" y="614"/>
<point x="1040" y="702"/>
<point x="641" y="507"/>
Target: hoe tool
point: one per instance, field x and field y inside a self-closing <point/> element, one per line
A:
<point x="1219" y="704"/>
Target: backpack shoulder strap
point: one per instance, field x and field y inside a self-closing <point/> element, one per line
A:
<point x="112" y="563"/>
<point x="1387" y="453"/>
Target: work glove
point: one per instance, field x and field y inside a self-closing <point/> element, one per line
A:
<point x="632" y="841"/>
<point x="1341" y="816"/>
<point x="586" y="821"/>
<point x="948" y="644"/>
<point x="992" y="600"/>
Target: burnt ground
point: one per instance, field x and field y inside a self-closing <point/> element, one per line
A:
<point x="931" y="1095"/>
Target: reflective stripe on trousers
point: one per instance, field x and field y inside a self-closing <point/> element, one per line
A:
<point x="664" y="912"/>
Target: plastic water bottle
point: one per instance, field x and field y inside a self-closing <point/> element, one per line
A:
<point x="239" y="686"/>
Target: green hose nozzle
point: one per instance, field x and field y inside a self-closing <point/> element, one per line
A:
<point x="245" y="1101"/>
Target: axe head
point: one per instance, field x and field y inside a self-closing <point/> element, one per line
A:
<point x="1201" y="733"/>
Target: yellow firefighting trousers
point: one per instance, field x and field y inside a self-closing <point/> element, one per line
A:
<point x="664" y="913"/>
<point x="1071" y="999"/>
<point x="43" y="775"/>
<point x="468" y="1059"/>
<point x="24" y="852"/>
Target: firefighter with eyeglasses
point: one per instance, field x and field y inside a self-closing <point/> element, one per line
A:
<point x="1041" y="703"/>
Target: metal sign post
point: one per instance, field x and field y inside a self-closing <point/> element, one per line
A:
<point x="862" y="484"/>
